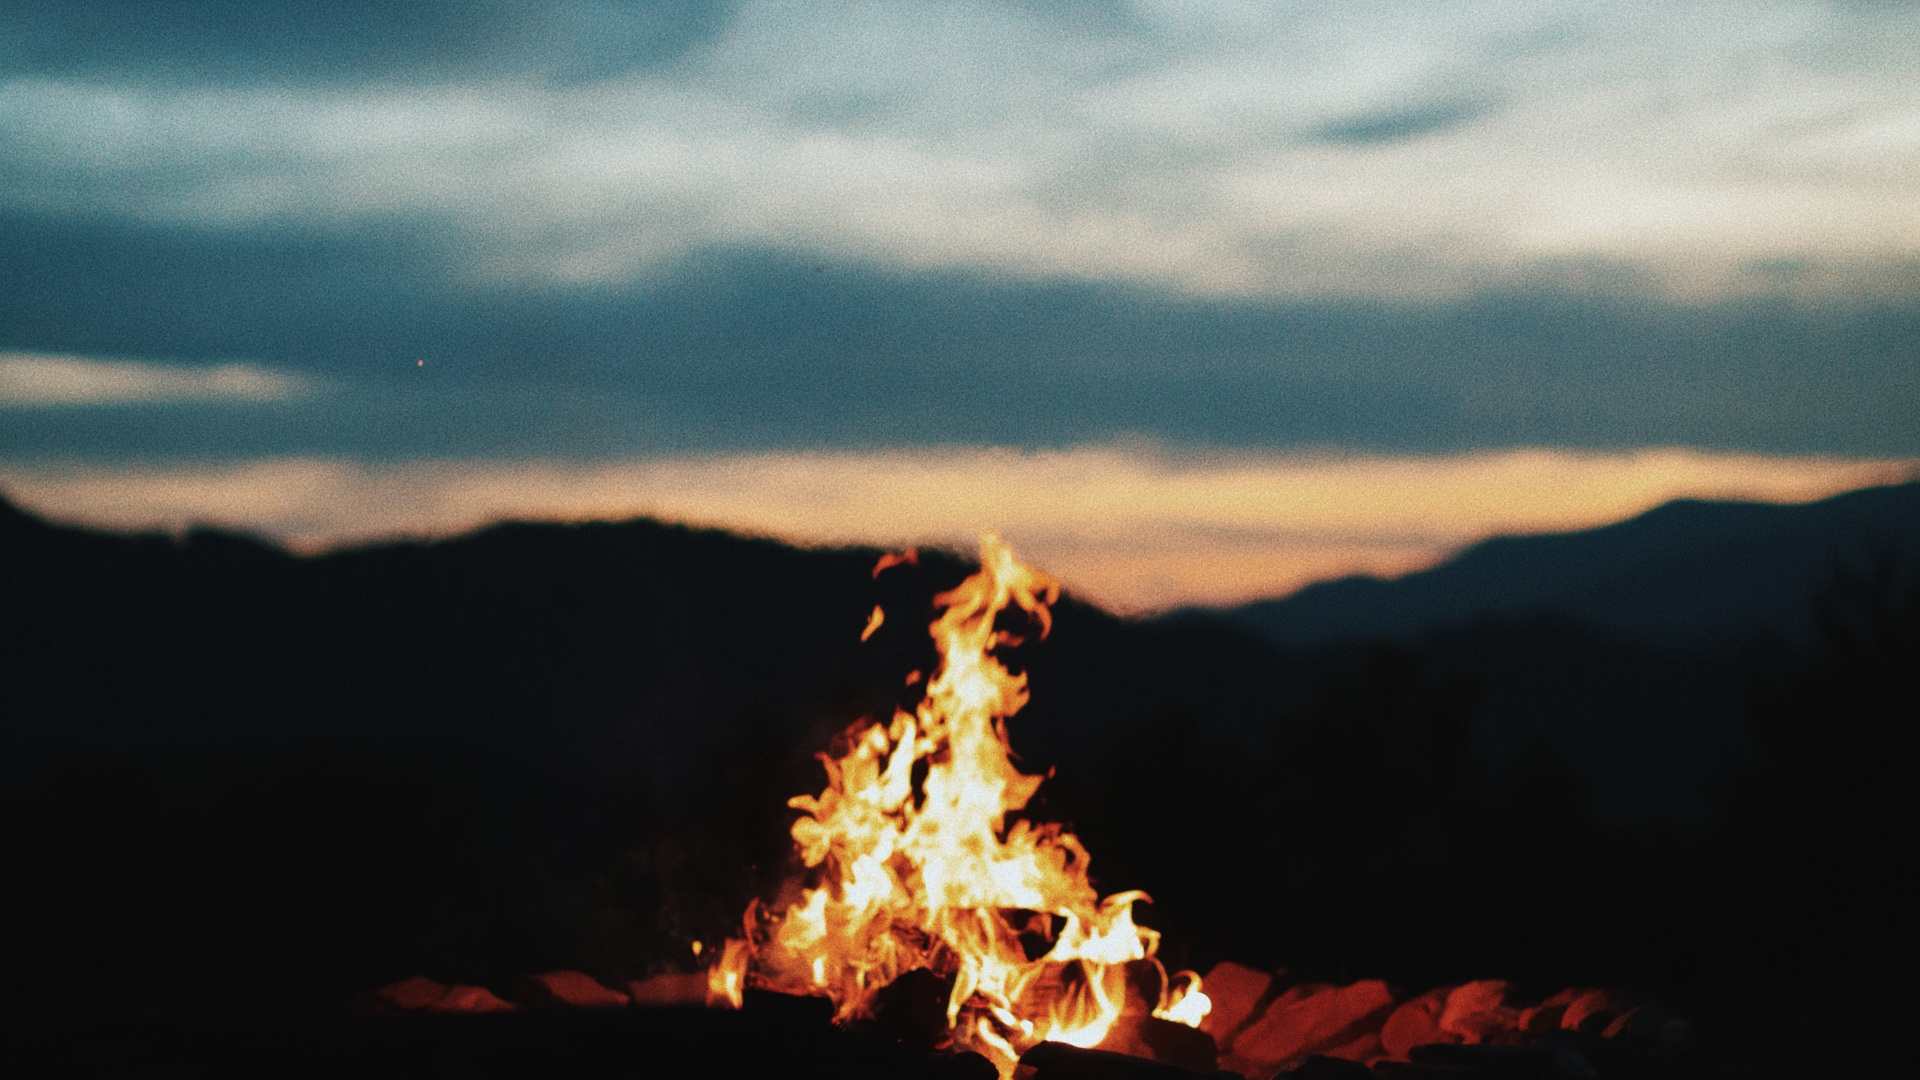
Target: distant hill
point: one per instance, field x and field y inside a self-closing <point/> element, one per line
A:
<point x="236" y="779"/>
<point x="1686" y="573"/>
<point x="653" y="635"/>
<point x="538" y="745"/>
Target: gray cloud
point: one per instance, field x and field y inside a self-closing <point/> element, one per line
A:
<point x="1403" y="228"/>
<point x="1307" y="149"/>
<point x="1398" y="125"/>
<point x="765" y="352"/>
<point x="351" y="40"/>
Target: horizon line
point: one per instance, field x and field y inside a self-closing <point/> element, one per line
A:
<point x="1134" y="528"/>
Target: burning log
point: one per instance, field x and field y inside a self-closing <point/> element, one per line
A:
<point x="1322" y="1067"/>
<point x="1059" y="1061"/>
<point x="1142" y="1029"/>
<point x="1177" y="1044"/>
<point x="912" y="1009"/>
<point x="794" y="1011"/>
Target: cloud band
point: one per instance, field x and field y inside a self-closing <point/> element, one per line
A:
<point x="42" y="380"/>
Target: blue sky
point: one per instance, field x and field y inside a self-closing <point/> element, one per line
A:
<point x="471" y="236"/>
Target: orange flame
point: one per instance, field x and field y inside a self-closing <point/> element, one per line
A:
<point x="1189" y="1006"/>
<point x="927" y="873"/>
<point x="909" y="557"/>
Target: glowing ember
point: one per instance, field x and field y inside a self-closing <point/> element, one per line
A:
<point x="909" y="873"/>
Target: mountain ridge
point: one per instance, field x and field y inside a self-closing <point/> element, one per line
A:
<point x="1687" y="573"/>
<point x="234" y="778"/>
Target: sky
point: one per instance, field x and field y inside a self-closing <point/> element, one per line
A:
<point x="1196" y="302"/>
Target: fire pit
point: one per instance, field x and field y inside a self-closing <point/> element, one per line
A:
<point x="937" y="933"/>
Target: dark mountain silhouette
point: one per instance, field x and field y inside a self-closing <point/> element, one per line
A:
<point x="1624" y="650"/>
<point x="232" y="779"/>
<point x="1686" y="573"/>
<point x="537" y="745"/>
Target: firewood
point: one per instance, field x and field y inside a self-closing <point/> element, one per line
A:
<point x="912" y="1009"/>
<point x="1322" y="1067"/>
<point x="1058" y="1061"/>
<point x="798" y="1010"/>
<point x="1177" y="1044"/>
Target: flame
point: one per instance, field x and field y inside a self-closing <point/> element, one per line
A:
<point x="927" y="873"/>
<point x="1189" y="1006"/>
<point x="909" y="557"/>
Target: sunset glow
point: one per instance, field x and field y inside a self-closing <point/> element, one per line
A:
<point x="1137" y="529"/>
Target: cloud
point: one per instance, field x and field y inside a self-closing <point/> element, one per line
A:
<point x="755" y="353"/>
<point x="1397" y="125"/>
<point x="33" y="380"/>
<point x="1133" y="527"/>
<point x="348" y="40"/>
<point x="1208" y="149"/>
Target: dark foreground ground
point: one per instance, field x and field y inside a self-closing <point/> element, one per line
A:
<point x="772" y="1037"/>
<point x="235" y="783"/>
<point x="686" y="1042"/>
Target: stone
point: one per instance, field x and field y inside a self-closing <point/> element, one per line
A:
<point x="1237" y="993"/>
<point x="469" y="999"/>
<point x="1309" y="1019"/>
<point x="673" y="988"/>
<point x="1477" y="1012"/>
<point x="409" y="995"/>
<point x="570" y="989"/>
<point x="1415" y="1023"/>
<point x="1591" y="1010"/>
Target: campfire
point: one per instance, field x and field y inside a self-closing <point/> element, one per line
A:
<point x="917" y="868"/>
<point x="925" y="894"/>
